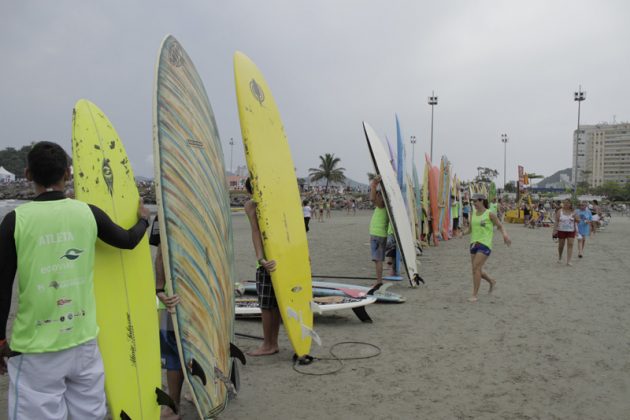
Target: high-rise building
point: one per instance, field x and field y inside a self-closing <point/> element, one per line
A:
<point x="603" y="153"/>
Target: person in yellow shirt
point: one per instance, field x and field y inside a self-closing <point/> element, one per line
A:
<point x="481" y="232"/>
<point x="378" y="230"/>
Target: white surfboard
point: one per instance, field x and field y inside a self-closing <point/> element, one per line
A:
<point x="395" y="205"/>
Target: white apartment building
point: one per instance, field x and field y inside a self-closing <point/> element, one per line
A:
<point x="603" y="153"/>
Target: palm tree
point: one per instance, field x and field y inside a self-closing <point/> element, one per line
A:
<point x="327" y="169"/>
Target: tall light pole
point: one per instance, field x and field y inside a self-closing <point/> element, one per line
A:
<point x="578" y="96"/>
<point x="413" y="148"/>
<point x="231" y="150"/>
<point x="504" y="140"/>
<point x="433" y="100"/>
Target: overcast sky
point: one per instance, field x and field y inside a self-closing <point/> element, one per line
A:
<point x="496" y="66"/>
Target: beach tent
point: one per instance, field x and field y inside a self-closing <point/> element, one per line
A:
<point x="6" y="176"/>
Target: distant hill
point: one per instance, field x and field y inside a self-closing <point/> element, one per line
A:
<point x="561" y="179"/>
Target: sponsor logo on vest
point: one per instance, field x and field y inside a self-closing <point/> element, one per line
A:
<point x="72" y="254"/>
<point x="63" y="301"/>
<point x="69" y="283"/>
<point x="62" y="318"/>
<point x="53" y="268"/>
<point x="55" y="238"/>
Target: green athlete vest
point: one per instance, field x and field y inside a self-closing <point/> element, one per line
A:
<point x="379" y="222"/>
<point x="481" y="234"/>
<point x="54" y="241"/>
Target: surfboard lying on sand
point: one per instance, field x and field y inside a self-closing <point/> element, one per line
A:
<point x="326" y="288"/>
<point x="248" y="305"/>
<point x="395" y="205"/>
<point x="123" y="279"/>
<point x="195" y="226"/>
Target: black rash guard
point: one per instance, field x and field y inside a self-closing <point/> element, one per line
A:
<point x="108" y="231"/>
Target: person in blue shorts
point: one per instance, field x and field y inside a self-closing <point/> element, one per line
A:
<point x="481" y="232"/>
<point x="378" y="230"/>
<point x="584" y="227"/>
<point x="168" y="342"/>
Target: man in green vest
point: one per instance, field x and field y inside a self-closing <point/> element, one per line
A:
<point x="54" y="364"/>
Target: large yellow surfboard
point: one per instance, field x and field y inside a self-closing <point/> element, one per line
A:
<point x="277" y="196"/>
<point x="123" y="279"/>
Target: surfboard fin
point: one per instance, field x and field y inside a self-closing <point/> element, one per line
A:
<point x="374" y="289"/>
<point x="237" y="353"/>
<point x="196" y="370"/>
<point x="306" y="331"/>
<point x="417" y="279"/>
<point x="362" y="314"/>
<point x="383" y="288"/>
<point x="124" y="416"/>
<point x="235" y="377"/>
<point x="164" y="399"/>
<point x="316" y="308"/>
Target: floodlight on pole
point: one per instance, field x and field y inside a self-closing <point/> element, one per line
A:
<point x="578" y="96"/>
<point x="231" y="143"/>
<point x="433" y="100"/>
<point x="504" y="140"/>
<point x="413" y="148"/>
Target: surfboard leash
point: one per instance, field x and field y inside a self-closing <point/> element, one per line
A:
<point x="307" y="360"/>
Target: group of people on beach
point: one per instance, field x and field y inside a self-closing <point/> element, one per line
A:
<point x="61" y="375"/>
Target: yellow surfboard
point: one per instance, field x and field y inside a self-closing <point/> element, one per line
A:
<point x="279" y="209"/>
<point x="123" y="279"/>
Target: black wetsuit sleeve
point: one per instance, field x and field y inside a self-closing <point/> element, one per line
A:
<point x="112" y="234"/>
<point x="8" y="267"/>
<point x="154" y="236"/>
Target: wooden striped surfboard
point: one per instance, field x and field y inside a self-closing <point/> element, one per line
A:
<point x="195" y="224"/>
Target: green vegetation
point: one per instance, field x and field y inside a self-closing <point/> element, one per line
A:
<point x="14" y="160"/>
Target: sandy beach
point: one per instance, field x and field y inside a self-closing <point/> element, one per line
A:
<point x="551" y="343"/>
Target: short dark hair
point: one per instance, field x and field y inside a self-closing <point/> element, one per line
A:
<point x="248" y="186"/>
<point x="47" y="163"/>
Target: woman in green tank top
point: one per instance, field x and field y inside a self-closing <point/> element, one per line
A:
<point x="481" y="229"/>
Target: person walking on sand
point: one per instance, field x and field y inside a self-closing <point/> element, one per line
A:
<point x="564" y="228"/>
<point x="584" y="227"/>
<point x="320" y="217"/>
<point x="307" y="211"/>
<point x="54" y="363"/>
<point x="266" y="296"/>
<point x="378" y="230"/>
<point x="481" y="232"/>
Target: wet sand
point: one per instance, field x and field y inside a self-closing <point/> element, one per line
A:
<point x="552" y="342"/>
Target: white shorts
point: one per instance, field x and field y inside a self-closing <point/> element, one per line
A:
<point x="67" y="384"/>
<point x="596" y="218"/>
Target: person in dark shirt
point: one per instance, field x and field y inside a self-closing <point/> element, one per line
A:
<point x="56" y="358"/>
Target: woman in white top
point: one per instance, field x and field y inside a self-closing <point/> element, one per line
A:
<point x="306" y="209"/>
<point x="564" y="228"/>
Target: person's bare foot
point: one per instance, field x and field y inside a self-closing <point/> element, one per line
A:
<point x="493" y="285"/>
<point x="570" y="264"/>
<point x="472" y="299"/>
<point x="263" y="351"/>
